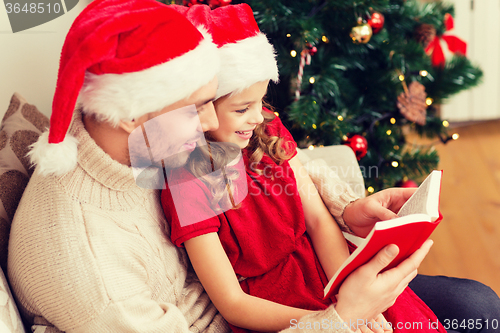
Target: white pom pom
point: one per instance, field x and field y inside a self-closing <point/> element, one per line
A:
<point x="54" y="158"/>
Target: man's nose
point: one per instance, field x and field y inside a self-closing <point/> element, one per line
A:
<point x="209" y="121"/>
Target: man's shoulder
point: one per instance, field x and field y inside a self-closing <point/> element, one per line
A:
<point x="44" y="189"/>
<point x="43" y="203"/>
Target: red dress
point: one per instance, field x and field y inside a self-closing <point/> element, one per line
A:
<point x="265" y="239"/>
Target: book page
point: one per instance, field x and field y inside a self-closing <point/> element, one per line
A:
<point x="417" y="203"/>
<point x="426" y="199"/>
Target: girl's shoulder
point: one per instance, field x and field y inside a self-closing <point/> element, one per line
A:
<point x="275" y="127"/>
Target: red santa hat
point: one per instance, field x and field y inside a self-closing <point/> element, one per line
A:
<point x="246" y="55"/>
<point x="121" y="60"/>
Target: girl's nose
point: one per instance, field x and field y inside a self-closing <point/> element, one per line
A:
<point x="256" y="116"/>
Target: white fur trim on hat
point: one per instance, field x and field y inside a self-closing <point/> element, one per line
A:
<point x="115" y="97"/>
<point x="246" y="62"/>
<point x="54" y="158"/>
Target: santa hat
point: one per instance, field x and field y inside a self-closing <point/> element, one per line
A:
<point x="121" y="60"/>
<point x="246" y="55"/>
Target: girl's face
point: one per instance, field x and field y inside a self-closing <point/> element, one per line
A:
<point x="239" y="114"/>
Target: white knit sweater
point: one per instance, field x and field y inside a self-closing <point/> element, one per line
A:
<point x="88" y="253"/>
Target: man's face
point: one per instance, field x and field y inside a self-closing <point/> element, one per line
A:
<point x="167" y="137"/>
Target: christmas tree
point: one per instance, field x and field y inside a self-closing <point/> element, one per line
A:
<point x="364" y="73"/>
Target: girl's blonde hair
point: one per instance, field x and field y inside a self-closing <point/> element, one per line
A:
<point x="261" y="143"/>
<point x="203" y="161"/>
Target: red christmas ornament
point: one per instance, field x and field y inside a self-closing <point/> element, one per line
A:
<point x="408" y="184"/>
<point x="376" y="22"/>
<point x="358" y="144"/>
<point x="218" y="3"/>
<point x="312" y="49"/>
<point x="190" y="3"/>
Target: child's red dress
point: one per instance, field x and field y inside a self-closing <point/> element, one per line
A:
<point x="266" y="240"/>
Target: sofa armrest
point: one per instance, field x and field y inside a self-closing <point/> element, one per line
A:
<point x="340" y="159"/>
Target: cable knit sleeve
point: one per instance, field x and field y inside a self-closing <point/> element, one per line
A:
<point x="336" y="194"/>
<point x="320" y="322"/>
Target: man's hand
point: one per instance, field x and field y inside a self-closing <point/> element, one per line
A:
<point x="362" y="214"/>
<point x="366" y="292"/>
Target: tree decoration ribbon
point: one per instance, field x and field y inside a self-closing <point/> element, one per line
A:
<point x="305" y="59"/>
<point x="455" y="44"/>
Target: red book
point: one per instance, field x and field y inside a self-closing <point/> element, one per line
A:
<point x="417" y="219"/>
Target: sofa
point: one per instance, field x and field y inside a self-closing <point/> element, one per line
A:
<point x="20" y="127"/>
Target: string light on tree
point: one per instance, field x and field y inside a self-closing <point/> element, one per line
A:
<point x="395" y="164"/>
<point x="392" y="120"/>
<point x="293" y="53"/>
<point x="446" y="123"/>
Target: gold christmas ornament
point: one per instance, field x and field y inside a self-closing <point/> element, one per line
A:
<point x="361" y="33"/>
<point x="411" y="103"/>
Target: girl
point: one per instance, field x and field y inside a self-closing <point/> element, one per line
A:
<point x="264" y="263"/>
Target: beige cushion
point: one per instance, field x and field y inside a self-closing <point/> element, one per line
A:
<point x="20" y="127"/>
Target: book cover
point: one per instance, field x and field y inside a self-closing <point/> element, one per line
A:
<point x="418" y="218"/>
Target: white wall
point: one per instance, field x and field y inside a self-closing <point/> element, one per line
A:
<point x="478" y="23"/>
<point x="29" y="59"/>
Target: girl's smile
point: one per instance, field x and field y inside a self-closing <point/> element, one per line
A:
<point x="239" y="114"/>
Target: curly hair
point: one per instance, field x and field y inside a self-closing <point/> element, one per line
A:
<point x="261" y="143"/>
<point x="203" y="161"/>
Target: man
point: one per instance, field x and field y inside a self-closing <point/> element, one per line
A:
<point x="87" y="251"/>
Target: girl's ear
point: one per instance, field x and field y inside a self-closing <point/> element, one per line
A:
<point x="128" y="126"/>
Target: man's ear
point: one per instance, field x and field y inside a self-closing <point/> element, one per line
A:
<point x="128" y="126"/>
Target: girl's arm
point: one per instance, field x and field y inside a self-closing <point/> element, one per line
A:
<point x="329" y="243"/>
<point x="219" y="280"/>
